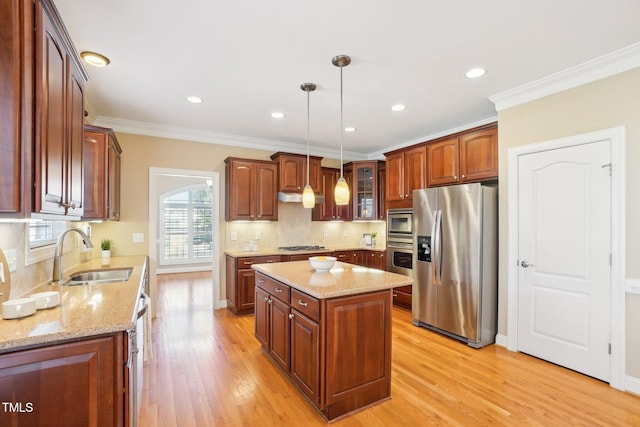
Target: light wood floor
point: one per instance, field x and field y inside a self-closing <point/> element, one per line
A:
<point x="209" y="370"/>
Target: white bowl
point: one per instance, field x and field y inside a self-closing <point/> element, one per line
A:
<point x="19" y="307"/>
<point x="322" y="263"/>
<point x="46" y="299"/>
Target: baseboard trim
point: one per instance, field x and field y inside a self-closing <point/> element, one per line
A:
<point x="501" y="340"/>
<point x="632" y="385"/>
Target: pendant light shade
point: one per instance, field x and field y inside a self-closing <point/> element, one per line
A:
<point x="308" y="197"/>
<point x="341" y="194"/>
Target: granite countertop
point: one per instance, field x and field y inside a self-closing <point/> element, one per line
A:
<point x="343" y="279"/>
<point x="276" y="251"/>
<point x="84" y="310"/>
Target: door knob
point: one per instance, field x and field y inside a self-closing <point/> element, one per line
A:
<point x="525" y="264"/>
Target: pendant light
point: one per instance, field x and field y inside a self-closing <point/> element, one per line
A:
<point x="308" y="198"/>
<point x="341" y="192"/>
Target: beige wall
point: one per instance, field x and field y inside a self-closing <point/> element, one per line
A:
<point x="599" y="105"/>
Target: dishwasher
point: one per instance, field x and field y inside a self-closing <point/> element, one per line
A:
<point x="135" y="360"/>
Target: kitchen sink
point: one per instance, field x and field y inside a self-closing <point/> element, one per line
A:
<point x="99" y="276"/>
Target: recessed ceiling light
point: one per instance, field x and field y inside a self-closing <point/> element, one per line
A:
<point x="398" y="107"/>
<point x="277" y="115"/>
<point x="95" y="59"/>
<point x="194" y="99"/>
<point x="350" y="129"/>
<point x="474" y="73"/>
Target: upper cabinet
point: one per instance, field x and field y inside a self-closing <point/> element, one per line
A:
<point x="293" y="172"/>
<point x="43" y="113"/>
<point x="365" y="190"/>
<point x="468" y="157"/>
<point x="102" y="165"/>
<point x="328" y="210"/>
<point x="59" y="115"/>
<point x="406" y="171"/>
<point x="251" y="190"/>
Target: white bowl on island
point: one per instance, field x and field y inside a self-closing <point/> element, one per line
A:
<point x="322" y="263"/>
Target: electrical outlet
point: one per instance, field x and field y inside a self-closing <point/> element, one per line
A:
<point x="138" y="237"/>
<point x="11" y="259"/>
<point x="345" y="233"/>
<point x="325" y="234"/>
<point x="234" y="236"/>
<point x="258" y="235"/>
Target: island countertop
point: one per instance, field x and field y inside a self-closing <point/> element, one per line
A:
<point x="84" y="310"/>
<point x="343" y="279"/>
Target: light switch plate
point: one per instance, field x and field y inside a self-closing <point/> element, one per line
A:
<point x="234" y="236"/>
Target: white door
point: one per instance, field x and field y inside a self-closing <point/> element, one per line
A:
<point x="564" y="256"/>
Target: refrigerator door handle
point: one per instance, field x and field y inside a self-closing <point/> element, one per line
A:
<point x="436" y="232"/>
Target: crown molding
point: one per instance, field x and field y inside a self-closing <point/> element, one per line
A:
<point x="604" y="66"/>
<point x="208" y="137"/>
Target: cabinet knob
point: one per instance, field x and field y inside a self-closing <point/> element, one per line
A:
<point x="291" y="316"/>
<point x="259" y="215"/>
<point x="270" y="301"/>
<point x="455" y="177"/>
<point x="464" y="176"/>
<point x="266" y="298"/>
<point x="402" y="196"/>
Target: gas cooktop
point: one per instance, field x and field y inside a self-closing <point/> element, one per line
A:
<point x="300" y="248"/>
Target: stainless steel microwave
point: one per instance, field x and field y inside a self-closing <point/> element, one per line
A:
<point x="400" y="225"/>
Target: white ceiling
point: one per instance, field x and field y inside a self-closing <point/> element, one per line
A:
<point x="247" y="58"/>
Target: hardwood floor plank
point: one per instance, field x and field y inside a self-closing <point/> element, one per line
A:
<point x="209" y="370"/>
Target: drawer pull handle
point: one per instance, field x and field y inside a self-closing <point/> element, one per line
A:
<point x="248" y="263"/>
<point x="278" y="290"/>
<point x="260" y="280"/>
<point x="304" y="304"/>
<point x="395" y="295"/>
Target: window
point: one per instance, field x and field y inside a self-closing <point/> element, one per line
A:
<point x="186" y="226"/>
<point x="43" y="233"/>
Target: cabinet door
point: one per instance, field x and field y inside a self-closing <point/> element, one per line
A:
<point x="479" y="155"/>
<point x="443" y="162"/>
<point x="315" y="174"/>
<point x="291" y="172"/>
<point x="241" y="191"/>
<point x="345" y="212"/>
<point x="395" y="177"/>
<point x="75" y="140"/>
<point x="382" y="180"/>
<point x="266" y="191"/>
<point x="262" y="317"/>
<point x="12" y="101"/>
<point x="365" y="179"/>
<point x="95" y="200"/>
<point x="326" y="211"/>
<point x="73" y="384"/>
<point x="305" y="354"/>
<point x="415" y="164"/>
<point x="280" y="333"/>
<point x="245" y="287"/>
<point x="115" y="169"/>
<point x="51" y="108"/>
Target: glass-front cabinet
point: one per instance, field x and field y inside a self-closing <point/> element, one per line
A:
<point x="365" y="190"/>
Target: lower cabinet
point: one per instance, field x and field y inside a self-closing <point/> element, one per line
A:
<point x="73" y="384"/>
<point x="364" y="257"/>
<point x="340" y="365"/>
<point x="240" y="278"/>
<point x="402" y="296"/>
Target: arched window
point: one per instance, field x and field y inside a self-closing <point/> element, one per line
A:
<point x="186" y="226"/>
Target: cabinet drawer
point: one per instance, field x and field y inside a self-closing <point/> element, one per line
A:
<point x="275" y="288"/>
<point x="305" y="304"/>
<point x="247" y="262"/>
<point x="408" y="289"/>
<point x="402" y="299"/>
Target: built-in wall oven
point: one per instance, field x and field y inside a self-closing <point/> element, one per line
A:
<point x="400" y="241"/>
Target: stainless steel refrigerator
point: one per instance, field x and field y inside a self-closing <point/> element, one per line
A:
<point x="455" y="261"/>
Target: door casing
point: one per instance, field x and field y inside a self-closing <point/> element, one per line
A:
<point x="617" y="137"/>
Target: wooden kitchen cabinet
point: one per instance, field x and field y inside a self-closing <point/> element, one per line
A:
<point x="382" y="190"/>
<point x="340" y="365"/>
<point x="375" y="259"/>
<point x="467" y="157"/>
<point x="293" y="172"/>
<point x="59" y="115"/>
<point x="240" y="280"/>
<point x="251" y="190"/>
<point x="74" y="384"/>
<point x="42" y="106"/>
<point x="406" y="170"/>
<point x="402" y="296"/>
<point x="364" y="190"/>
<point x="328" y="210"/>
<point x="355" y="256"/>
<point x="102" y="166"/>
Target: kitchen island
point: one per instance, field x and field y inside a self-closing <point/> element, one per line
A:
<point x="330" y="332"/>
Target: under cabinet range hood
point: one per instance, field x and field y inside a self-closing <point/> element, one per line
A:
<point x="297" y="197"/>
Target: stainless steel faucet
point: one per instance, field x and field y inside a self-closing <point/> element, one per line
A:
<point x="57" y="256"/>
